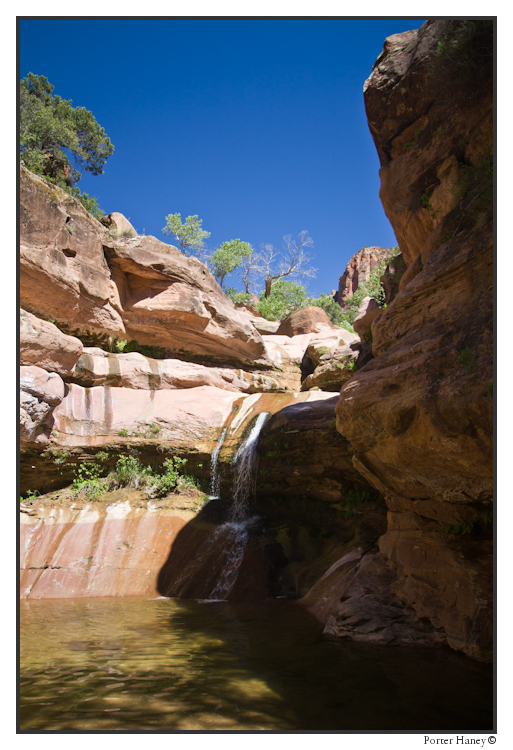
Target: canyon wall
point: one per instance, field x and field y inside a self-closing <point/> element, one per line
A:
<point x="375" y="505"/>
<point x="419" y="414"/>
<point x="358" y="271"/>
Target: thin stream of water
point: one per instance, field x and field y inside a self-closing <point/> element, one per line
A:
<point x="215" y="478"/>
<point x="220" y="557"/>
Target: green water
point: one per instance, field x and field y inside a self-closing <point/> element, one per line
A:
<point x="132" y="664"/>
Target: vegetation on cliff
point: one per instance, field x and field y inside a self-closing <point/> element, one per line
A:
<point x="52" y="130"/>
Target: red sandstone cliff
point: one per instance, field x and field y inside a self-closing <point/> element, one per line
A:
<point x="358" y="271"/>
<point x="419" y="414"/>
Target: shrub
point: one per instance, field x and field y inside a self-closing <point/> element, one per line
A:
<point x="239" y="298"/>
<point x="467" y="527"/>
<point x="30" y="495"/>
<point x="332" y="310"/>
<point x="89" y="482"/>
<point x="169" y="480"/>
<point x="130" y="472"/>
<point x="285" y="297"/>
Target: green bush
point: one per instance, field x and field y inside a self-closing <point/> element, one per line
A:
<point x="332" y="310"/>
<point x="168" y="481"/>
<point x="130" y="472"/>
<point x="240" y="298"/>
<point x="285" y="297"/>
<point x="30" y="495"/>
<point x="88" y="481"/>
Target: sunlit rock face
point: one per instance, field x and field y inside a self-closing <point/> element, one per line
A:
<point x="133" y="370"/>
<point x="75" y="272"/>
<point x="111" y="548"/>
<point x="44" y="345"/>
<point x="419" y="415"/>
<point x="358" y="271"/>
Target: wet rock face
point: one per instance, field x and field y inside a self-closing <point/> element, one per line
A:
<point x="301" y="453"/>
<point x="419" y="414"/>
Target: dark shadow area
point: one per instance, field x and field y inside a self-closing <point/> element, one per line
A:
<point x="207" y="546"/>
<point x="125" y="664"/>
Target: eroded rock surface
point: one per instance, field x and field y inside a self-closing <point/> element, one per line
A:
<point x="133" y="370"/>
<point x="358" y="271"/>
<point x="44" y="345"/>
<point x="40" y="393"/>
<point x="74" y="272"/>
<point x="419" y="414"/>
<point x="305" y="320"/>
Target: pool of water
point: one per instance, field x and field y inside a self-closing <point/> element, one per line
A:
<point x="133" y="664"/>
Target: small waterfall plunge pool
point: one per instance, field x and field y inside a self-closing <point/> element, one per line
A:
<point x="167" y="664"/>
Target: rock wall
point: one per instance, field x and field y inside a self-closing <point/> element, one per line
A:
<point x="403" y="456"/>
<point x="358" y="271"/>
<point x="77" y="274"/>
<point x="114" y="548"/>
<point x="419" y="414"/>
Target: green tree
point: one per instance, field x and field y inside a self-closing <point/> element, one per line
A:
<point x="52" y="131"/>
<point x="285" y="297"/>
<point x="190" y="236"/>
<point x="228" y="258"/>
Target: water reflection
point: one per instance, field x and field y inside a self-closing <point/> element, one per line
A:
<point x="182" y="665"/>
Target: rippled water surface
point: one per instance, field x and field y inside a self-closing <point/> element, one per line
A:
<point x="182" y="665"/>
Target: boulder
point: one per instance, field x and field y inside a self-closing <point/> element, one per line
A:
<point x="264" y="326"/>
<point x="305" y="320"/>
<point x="44" y="345"/>
<point x="322" y="344"/>
<point x="367" y="312"/>
<point x="40" y="392"/>
<point x="118" y="225"/>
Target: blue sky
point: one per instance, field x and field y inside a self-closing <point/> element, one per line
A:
<point x="257" y="126"/>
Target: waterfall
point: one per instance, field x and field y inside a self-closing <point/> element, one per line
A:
<point x="235" y="530"/>
<point x="215" y="478"/>
<point x="216" y="567"/>
<point x="244" y="465"/>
